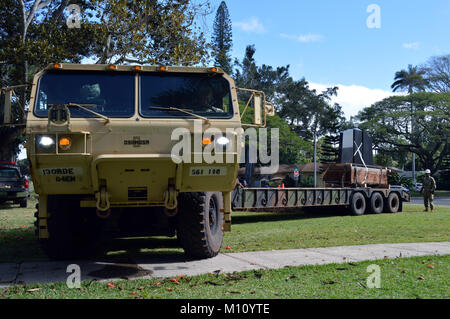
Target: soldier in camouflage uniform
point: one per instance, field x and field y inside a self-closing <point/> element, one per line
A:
<point x="428" y="188"/>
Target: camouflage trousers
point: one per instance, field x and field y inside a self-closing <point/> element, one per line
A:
<point x="428" y="199"/>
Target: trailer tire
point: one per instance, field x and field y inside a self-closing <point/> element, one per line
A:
<point x="376" y="203"/>
<point x="358" y="204"/>
<point x="200" y="223"/>
<point x="392" y="203"/>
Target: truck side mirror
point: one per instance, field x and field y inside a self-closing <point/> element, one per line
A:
<point x="261" y="107"/>
<point x="257" y="108"/>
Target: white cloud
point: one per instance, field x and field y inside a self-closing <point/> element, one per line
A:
<point x="303" y="38"/>
<point x="353" y="98"/>
<point x="252" y="25"/>
<point x="411" y="45"/>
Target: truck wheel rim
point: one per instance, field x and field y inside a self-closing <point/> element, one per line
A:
<point x="212" y="215"/>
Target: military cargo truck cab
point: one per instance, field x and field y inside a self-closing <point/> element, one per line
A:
<point x="101" y="140"/>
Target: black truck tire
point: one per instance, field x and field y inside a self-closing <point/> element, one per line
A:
<point x="72" y="234"/>
<point x="392" y="203"/>
<point x="358" y="204"/>
<point x="376" y="203"/>
<point x="200" y="223"/>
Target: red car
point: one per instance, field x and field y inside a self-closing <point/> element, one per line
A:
<point x="13" y="185"/>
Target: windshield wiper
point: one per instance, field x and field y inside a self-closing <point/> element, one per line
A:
<point x="172" y="108"/>
<point x="85" y="108"/>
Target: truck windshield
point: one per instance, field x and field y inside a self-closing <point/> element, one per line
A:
<point x="202" y="94"/>
<point x="108" y="93"/>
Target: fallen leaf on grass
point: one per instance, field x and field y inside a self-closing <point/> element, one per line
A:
<point x="33" y="289"/>
<point x="208" y="282"/>
<point x="169" y="289"/>
<point x="111" y="285"/>
<point x="343" y="268"/>
<point x="252" y="292"/>
<point x="228" y="247"/>
<point x="157" y="283"/>
<point x="430" y="266"/>
<point x="290" y="277"/>
<point x="421" y="278"/>
<point x="133" y="293"/>
<point x="174" y="280"/>
<point x="141" y="288"/>
<point x="329" y="282"/>
<point x="403" y="271"/>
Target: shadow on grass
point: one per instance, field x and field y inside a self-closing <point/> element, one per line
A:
<point x="9" y="205"/>
<point x="286" y="214"/>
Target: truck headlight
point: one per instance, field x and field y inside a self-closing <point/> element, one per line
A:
<point x="223" y="141"/>
<point x="46" y="143"/>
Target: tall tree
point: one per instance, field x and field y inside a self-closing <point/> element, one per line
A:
<point x="387" y="122"/>
<point x="411" y="80"/>
<point x="437" y="73"/>
<point x="222" y="38"/>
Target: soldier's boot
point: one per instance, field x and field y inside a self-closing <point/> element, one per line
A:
<point x="426" y="209"/>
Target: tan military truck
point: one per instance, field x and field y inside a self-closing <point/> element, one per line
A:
<point x="101" y="141"/>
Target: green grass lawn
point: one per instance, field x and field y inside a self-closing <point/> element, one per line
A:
<point x="252" y="231"/>
<point x="417" y="277"/>
<point x="437" y="193"/>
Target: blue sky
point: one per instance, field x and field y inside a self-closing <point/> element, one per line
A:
<point x="329" y="43"/>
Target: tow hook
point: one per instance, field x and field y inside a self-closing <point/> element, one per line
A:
<point x="102" y="203"/>
<point x="170" y="200"/>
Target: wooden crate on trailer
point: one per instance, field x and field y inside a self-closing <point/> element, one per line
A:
<point x="350" y="174"/>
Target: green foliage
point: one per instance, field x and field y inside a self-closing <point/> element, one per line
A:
<point x="293" y="149"/>
<point x="222" y="38"/>
<point x="437" y="73"/>
<point x="24" y="165"/>
<point x="410" y="80"/>
<point x="388" y="123"/>
<point x="395" y="179"/>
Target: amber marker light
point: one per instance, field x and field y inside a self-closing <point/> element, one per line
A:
<point x="213" y="70"/>
<point x="162" y="68"/>
<point x="137" y="68"/>
<point x="65" y="143"/>
<point x="57" y="66"/>
<point x="206" y="141"/>
<point x="112" y="67"/>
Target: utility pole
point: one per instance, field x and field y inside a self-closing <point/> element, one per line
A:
<point x="315" y="159"/>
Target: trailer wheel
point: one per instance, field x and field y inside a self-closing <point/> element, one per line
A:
<point x="358" y="204"/>
<point x="376" y="203"/>
<point x="392" y="204"/>
<point x="199" y="224"/>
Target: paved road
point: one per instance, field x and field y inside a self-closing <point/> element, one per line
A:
<point x="171" y="266"/>
<point x="445" y="201"/>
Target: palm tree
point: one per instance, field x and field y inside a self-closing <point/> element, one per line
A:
<point x="411" y="80"/>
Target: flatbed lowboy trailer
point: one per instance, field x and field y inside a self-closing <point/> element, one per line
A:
<point x="358" y="200"/>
